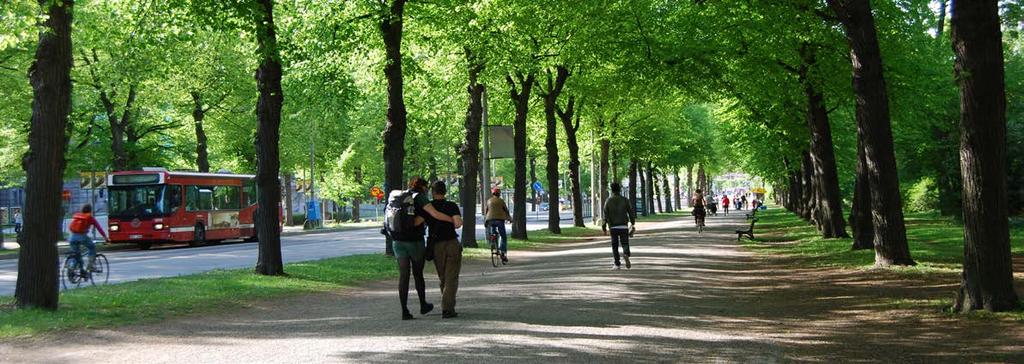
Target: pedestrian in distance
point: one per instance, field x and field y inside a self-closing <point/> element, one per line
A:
<point x="725" y="204"/>
<point x="17" y="222"/>
<point x="497" y="215"/>
<point x="443" y="240"/>
<point x="617" y="213"/>
<point x="404" y="223"/>
<point x="81" y="222"/>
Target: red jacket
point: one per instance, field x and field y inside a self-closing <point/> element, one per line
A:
<point x="82" y="222"/>
<point x="725" y="201"/>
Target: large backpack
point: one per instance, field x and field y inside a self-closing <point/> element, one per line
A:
<point x="80" y="223"/>
<point x="400" y="216"/>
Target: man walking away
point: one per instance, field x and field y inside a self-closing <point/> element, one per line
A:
<point x="443" y="239"/>
<point x="617" y="212"/>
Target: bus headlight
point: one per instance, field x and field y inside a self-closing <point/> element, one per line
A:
<point x="115" y="227"/>
<point x="158" y="226"/>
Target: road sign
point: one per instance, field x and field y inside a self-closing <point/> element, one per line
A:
<point x="537" y="187"/>
<point x="376" y="192"/>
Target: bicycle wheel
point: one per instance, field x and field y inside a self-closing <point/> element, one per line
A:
<point x="70" y="273"/>
<point x="101" y="270"/>
<point x="495" y="256"/>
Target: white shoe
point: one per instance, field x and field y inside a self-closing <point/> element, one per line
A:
<point x="615" y="267"/>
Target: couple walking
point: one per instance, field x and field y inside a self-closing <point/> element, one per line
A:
<point x="408" y="214"/>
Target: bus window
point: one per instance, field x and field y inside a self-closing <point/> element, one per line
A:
<point x="227" y="197"/>
<point x="251" y="194"/>
<point x="172" y="198"/>
<point x="205" y="198"/>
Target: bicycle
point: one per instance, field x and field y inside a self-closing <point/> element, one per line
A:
<point x="492" y="239"/>
<point x="73" y="274"/>
<point x="698" y="219"/>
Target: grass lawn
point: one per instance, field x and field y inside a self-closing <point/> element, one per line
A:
<point x="936" y="244"/>
<point x="156" y="299"/>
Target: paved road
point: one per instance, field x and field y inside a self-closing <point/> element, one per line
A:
<point x="179" y="260"/>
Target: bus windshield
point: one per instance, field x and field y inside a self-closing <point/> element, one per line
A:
<point x="143" y="201"/>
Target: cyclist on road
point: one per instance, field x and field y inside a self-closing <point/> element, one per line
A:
<point x="81" y="222"/>
<point x="617" y="212"/>
<point x="497" y="215"/>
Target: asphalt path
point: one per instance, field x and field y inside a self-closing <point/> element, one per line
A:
<point x="169" y="261"/>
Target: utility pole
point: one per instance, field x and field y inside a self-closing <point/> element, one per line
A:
<point x="485" y="165"/>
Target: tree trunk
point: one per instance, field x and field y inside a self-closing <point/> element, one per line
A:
<point x="644" y="182"/>
<point x="826" y="178"/>
<point x="521" y="101"/>
<point x="576" y="190"/>
<point x="875" y="129"/>
<point x="357" y="202"/>
<point x="806" y="190"/>
<point x="198" y="114"/>
<point x="550" y="95"/>
<point x="657" y="190"/>
<point x="941" y="25"/>
<point x="689" y="186"/>
<point x="268" y="116"/>
<point x="702" y="179"/>
<point x="288" y="191"/>
<point x="603" y="185"/>
<point x="677" y="192"/>
<point x="471" y="153"/>
<point x="634" y="183"/>
<point x="44" y="163"/>
<point x="649" y="184"/>
<point x="860" y="215"/>
<point x="666" y="192"/>
<point x="988" y="267"/>
<point x="394" y="130"/>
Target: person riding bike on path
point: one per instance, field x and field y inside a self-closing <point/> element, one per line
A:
<point x="617" y="212"/>
<point x="409" y="245"/>
<point x="725" y="204"/>
<point x="81" y="222"/>
<point x="497" y="215"/>
<point x="699" y="213"/>
<point x="443" y="239"/>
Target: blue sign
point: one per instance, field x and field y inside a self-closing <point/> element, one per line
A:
<point x="537" y="187"/>
<point x="312" y="210"/>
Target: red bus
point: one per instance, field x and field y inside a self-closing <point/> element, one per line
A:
<point x="154" y="206"/>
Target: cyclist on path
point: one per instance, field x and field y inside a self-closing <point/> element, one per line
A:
<point x="81" y="222"/>
<point x="699" y="213"/>
<point x="617" y="212"/>
<point x="497" y="215"/>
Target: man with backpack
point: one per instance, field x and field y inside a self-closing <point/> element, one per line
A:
<point x="617" y="212"/>
<point x="404" y="223"/>
<point x="79" y="227"/>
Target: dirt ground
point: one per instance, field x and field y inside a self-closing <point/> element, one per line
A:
<point x="689" y="299"/>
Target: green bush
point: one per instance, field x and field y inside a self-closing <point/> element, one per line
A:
<point x="923" y="196"/>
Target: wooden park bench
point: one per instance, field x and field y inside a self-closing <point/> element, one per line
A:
<point x="749" y="232"/>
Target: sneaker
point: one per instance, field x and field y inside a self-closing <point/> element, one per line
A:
<point x="448" y="315"/>
<point x="424" y="309"/>
<point x="627" y="262"/>
<point x="406" y="315"/>
<point x="616" y="267"/>
<point x="504" y="259"/>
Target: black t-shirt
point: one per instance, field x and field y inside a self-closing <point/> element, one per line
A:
<point x="441" y="230"/>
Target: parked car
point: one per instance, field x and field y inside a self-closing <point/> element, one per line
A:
<point x="544" y="206"/>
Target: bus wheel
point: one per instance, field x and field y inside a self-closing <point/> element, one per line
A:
<point x="199" y="237"/>
<point x="145" y="246"/>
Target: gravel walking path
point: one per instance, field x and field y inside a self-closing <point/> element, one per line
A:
<point x="688" y="299"/>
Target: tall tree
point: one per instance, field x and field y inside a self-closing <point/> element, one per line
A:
<point x="394" y="131"/>
<point x="875" y="131"/>
<point x="860" y="213"/>
<point x="198" y="115"/>
<point x="550" y="93"/>
<point x="575" y="188"/>
<point x="987" y="269"/>
<point x="50" y="77"/>
<point x="666" y="191"/>
<point x="519" y="92"/>
<point x="471" y="151"/>
<point x="634" y="183"/>
<point x="268" y="162"/>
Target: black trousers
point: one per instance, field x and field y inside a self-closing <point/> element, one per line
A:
<point x="620" y="236"/>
